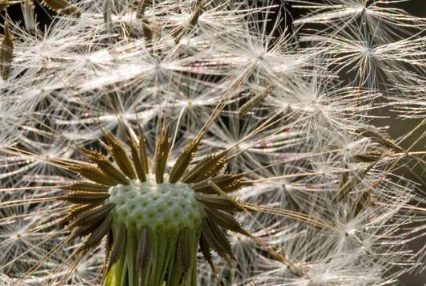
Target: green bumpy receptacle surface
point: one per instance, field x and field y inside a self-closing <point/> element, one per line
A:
<point x="162" y="207"/>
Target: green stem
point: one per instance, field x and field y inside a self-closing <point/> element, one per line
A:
<point x="163" y="268"/>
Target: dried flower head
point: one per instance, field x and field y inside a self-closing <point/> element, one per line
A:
<point x="186" y="142"/>
<point x="154" y="221"/>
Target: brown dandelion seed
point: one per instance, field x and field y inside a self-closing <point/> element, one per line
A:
<point x="83" y="197"/>
<point x="144" y="250"/>
<point x="92" y="216"/>
<point x="96" y="236"/>
<point x="205" y="169"/>
<point x="148" y="30"/>
<point x="348" y="186"/>
<point x="85" y="186"/>
<point x="120" y="156"/>
<point x="225" y="220"/>
<point x="183" y="161"/>
<point x="84" y="230"/>
<point x="227" y="183"/>
<point x="206" y="251"/>
<point x="193" y="20"/>
<point x="362" y="203"/>
<point x="218" y="202"/>
<point x="143" y="154"/>
<point x="183" y="248"/>
<point x="107" y="167"/>
<point x="378" y="138"/>
<point x="368" y="157"/>
<point x="118" y="246"/>
<point x="141" y="170"/>
<point x="74" y="211"/>
<point x="217" y="240"/>
<point x="6" y="52"/>
<point x="161" y="154"/>
<point x="93" y="173"/>
<point x="255" y="100"/>
<point x="62" y="7"/>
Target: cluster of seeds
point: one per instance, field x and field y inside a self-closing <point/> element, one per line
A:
<point x="279" y="110"/>
<point x="143" y="214"/>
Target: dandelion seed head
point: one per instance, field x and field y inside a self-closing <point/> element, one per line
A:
<point x="209" y="142"/>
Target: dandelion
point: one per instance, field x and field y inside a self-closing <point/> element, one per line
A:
<point x="184" y="143"/>
<point x="154" y="222"/>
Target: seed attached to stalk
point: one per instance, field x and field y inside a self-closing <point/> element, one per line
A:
<point x="379" y="138"/>
<point x="255" y="100"/>
<point x="6" y="52"/>
<point x="62" y="7"/>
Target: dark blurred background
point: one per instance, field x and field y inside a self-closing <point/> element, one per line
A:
<point x="399" y="128"/>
